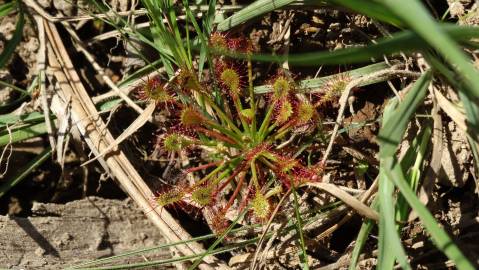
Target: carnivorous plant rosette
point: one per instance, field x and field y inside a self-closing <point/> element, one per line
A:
<point x="249" y="159"/>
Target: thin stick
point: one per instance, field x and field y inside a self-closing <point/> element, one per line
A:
<point x="268" y="225"/>
<point x="8" y="146"/>
<point x="343" y="100"/>
<point x="100" y="70"/>
<point x="41" y="60"/>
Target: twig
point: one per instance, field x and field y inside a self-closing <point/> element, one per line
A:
<point x="8" y="146"/>
<point x="343" y="100"/>
<point x="268" y="225"/>
<point x="100" y="70"/>
<point x="349" y="200"/>
<point x="41" y="63"/>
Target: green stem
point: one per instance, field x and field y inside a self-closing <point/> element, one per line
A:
<point x="208" y="176"/>
<point x="223" y="116"/>
<point x="232" y="165"/>
<point x="227" y="132"/>
<point x="265" y="123"/>
<point x="281" y="132"/>
<point x="254" y="175"/>
<point x="239" y="110"/>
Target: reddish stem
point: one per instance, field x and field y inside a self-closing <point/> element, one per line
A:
<point x="235" y="193"/>
<point x="205" y="166"/>
<point x="215" y="134"/>
<point x="235" y="173"/>
<point x="246" y="197"/>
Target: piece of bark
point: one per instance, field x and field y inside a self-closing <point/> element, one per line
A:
<point x="61" y="235"/>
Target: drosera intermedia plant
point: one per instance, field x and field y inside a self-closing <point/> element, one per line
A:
<point x="248" y="162"/>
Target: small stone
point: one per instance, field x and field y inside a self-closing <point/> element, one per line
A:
<point x="45" y="3"/>
<point x="456" y="9"/>
<point x="39" y="252"/>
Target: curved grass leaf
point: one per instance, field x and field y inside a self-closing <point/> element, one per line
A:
<point x="391" y="171"/>
<point x="390" y="247"/>
<point x="366" y="228"/>
<point x="24" y="94"/>
<point x="6" y="8"/>
<point x="23" y="134"/>
<point x="303" y="255"/>
<point x="415" y="15"/>
<point x="323" y="212"/>
<point x="172" y="260"/>
<point x="394" y="127"/>
<point x="405" y="41"/>
<point x="33" y="117"/>
<point x="371" y="9"/>
<point x="151" y="249"/>
<point x="440" y="238"/>
<point x="419" y="146"/>
<point x="218" y="240"/>
<point x="256" y="9"/>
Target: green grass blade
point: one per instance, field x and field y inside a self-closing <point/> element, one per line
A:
<point x="363" y="234"/>
<point x="203" y="39"/>
<point x="291" y="226"/>
<point x="405" y="41"/>
<point x="390" y="247"/>
<point x="25" y="171"/>
<point x="415" y="15"/>
<point x="133" y="77"/>
<point x="124" y="28"/>
<point x="391" y="134"/>
<point x="16" y="38"/>
<point x="6" y="8"/>
<point x="163" y="246"/>
<point x="371" y="9"/>
<point x="173" y="260"/>
<point x="252" y="11"/>
<point x="15" y="88"/>
<point x="33" y="117"/>
<point x="308" y="85"/>
<point x="415" y="173"/>
<point x="299" y="229"/>
<point x="23" y="134"/>
<point x="438" y="235"/>
<point x="210" y="17"/>
<point x="218" y="241"/>
<point x="24" y="94"/>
